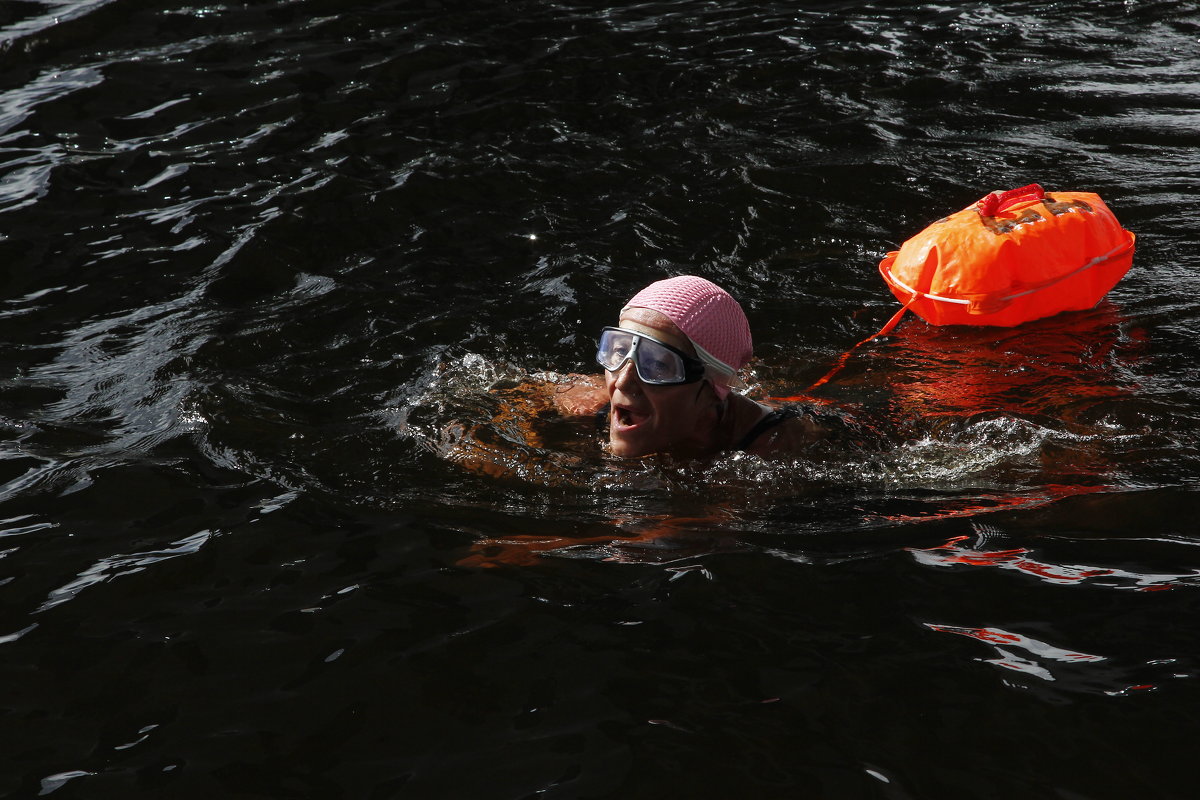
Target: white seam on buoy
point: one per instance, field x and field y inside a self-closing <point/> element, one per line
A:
<point x="1088" y="265"/>
<point x="911" y="290"/>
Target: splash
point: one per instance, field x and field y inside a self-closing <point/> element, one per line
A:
<point x="497" y="421"/>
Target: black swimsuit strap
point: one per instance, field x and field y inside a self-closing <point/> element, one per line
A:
<point x="775" y="417"/>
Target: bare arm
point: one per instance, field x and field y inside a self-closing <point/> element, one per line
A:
<point x="580" y="395"/>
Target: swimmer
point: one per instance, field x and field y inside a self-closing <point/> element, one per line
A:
<point x="670" y="367"/>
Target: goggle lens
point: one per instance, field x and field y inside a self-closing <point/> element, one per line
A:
<point x="656" y="363"/>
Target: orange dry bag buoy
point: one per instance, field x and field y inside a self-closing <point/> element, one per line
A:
<point x="1012" y="257"/>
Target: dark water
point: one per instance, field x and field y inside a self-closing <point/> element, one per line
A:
<point x="262" y="262"/>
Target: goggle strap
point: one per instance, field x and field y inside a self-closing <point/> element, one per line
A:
<point x="727" y="372"/>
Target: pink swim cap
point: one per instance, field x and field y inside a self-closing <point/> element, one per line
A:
<point x="709" y="317"/>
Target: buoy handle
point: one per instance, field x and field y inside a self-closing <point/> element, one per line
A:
<point x="996" y="202"/>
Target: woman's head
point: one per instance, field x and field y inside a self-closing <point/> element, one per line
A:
<point x="711" y="320"/>
<point x="677" y="408"/>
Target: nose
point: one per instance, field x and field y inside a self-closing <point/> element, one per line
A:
<point x="627" y="380"/>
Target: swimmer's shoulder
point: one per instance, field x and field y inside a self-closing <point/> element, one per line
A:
<point x="792" y="429"/>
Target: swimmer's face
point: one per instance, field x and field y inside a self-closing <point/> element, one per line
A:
<point x="645" y="418"/>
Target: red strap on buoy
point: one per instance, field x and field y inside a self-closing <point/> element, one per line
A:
<point x="888" y="327"/>
<point x="996" y="202"/>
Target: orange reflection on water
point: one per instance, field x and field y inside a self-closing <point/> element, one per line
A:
<point x="1069" y="670"/>
<point x="523" y="550"/>
<point x="1040" y="656"/>
<point x="1058" y="367"/>
<point x="1005" y="638"/>
<point x="995" y="502"/>
<point x="957" y="552"/>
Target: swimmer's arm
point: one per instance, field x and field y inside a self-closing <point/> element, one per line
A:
<point x="579" y="395"/>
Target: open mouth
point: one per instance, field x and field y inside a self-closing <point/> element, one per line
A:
<point x="626" y="419"/>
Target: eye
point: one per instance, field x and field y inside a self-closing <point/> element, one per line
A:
<point x="662" y="367"/>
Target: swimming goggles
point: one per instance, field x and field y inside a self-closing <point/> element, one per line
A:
<point x="657" y="363"/>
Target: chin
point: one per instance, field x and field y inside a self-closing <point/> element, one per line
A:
<point x="623" y="448"/>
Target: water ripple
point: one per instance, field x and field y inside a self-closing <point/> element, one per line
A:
<point x="112" y="567"/>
